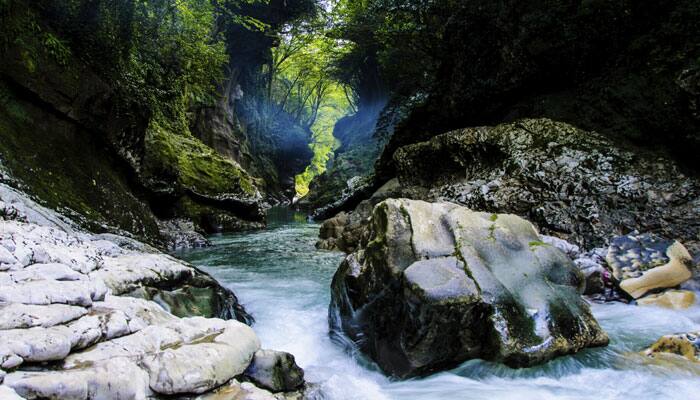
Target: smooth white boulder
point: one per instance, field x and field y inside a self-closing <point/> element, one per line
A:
<point x="139" y="313"/>
<point x="33" y="345"/>
<point x="6" y="257"/>
<point x="113" y="379"/>
<point x="124" y="273"/>
<point x="49" y="271"/>
<point x="7" y="393"/>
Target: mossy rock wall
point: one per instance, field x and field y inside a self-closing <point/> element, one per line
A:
<point x="71" y="141"/>
<point x="67" y="167"/>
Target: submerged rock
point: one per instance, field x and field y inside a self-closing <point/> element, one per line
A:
<point x="437" y="284"/>
<point x="686" y="345"/>
<point x="646" y="262"/>
<point x="674" y="299"/>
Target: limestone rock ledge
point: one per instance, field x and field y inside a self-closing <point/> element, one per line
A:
<point x="86" y="316"/>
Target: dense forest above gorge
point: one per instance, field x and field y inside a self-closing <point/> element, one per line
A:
<point x="153" y="117"/>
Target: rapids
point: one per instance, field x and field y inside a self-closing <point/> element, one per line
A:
<point x="283" y="281"/>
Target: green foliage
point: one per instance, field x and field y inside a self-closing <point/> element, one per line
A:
<point x="160" y="55"/>
<point x="302" y="84"/>
<point x="401" y="39"/>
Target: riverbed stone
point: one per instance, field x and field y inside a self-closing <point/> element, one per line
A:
<point x="113" y="379"/>
<point x="276" y="371"/>
<point x="686" y="345"/>
<point x="643" y="263"/>
<point x="674" y="299"/>
<point x="437" y="284"/>
<point x="235" y="390"/>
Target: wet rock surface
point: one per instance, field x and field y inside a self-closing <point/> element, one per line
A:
<point x="86" y="316"/>
<point x="686" y="345"/>
<point x="437" y="284"/>
<point x="276" y="371"/>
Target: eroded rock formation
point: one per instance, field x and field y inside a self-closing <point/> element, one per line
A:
<point x="87" y="316"/>
<point x="436" y="284"/>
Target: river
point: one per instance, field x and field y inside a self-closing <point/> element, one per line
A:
<point x="284" y="282"/>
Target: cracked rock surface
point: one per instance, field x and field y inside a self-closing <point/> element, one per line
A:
<point x="77" y="320"/>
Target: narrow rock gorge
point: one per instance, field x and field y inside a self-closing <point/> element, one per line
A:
<point x="338" y="200"/>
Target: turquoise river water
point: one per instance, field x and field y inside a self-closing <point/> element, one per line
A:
<point x="284" y="282"/>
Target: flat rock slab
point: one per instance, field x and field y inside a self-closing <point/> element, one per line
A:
<point x="17" y="315"/>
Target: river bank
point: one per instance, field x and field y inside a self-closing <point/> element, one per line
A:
<point x="86" y="316"/>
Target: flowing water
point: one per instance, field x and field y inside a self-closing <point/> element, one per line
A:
<point x="284" y="282"/>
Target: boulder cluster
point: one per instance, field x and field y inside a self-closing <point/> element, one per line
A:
<point x="589" y="197"/>
<point x="86" y="316"/>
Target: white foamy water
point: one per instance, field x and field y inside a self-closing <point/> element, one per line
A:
<point x="285" y="283"/>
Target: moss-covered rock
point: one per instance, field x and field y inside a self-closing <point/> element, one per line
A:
<point x="686" y="345"/>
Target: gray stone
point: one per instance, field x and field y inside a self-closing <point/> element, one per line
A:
<point x="120" y="378"/>
<point x="437" y="284"/>
<point x="16" y="315"/>
<point x="276" y="371"/>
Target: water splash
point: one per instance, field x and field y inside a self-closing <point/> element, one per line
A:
<point x="284" y="281"/>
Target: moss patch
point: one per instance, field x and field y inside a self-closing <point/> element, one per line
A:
<point x="173" y="152"/>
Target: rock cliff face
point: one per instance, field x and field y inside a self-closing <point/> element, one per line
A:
<point x="64" y="142"/>
<point x="73" y="137"/>
<point x="436" y="284"/>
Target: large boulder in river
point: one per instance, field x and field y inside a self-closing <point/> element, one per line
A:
<point x="437" y="284"/>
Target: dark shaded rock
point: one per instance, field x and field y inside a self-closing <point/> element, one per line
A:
<point x="436" y="284"/>
<point x="276" y="371"/>
<point x="195" y="295"/>
<point x="180" y="234"/>
<point x="571" y="183"/>
<point x="345" y="231"/>
<point x="625" y="69"/>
